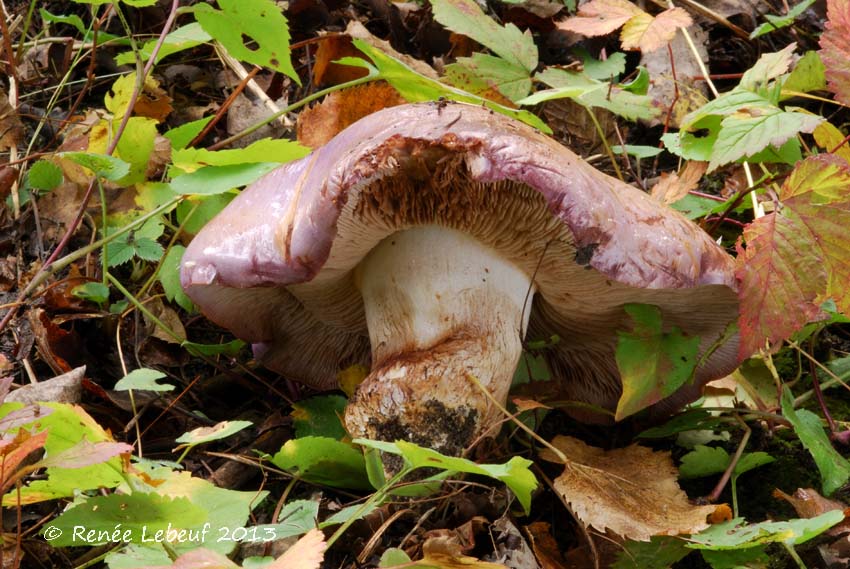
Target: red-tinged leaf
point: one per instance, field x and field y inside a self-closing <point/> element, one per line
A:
<point x="818" y="194"/>
<point x="780" y="277"/>
<point x="647" y="34"/>
<point x="835" y="48"/>
<point x="600" y="17"/>
<point x="14" y="453"/>
<point x="796" y="259"/>
<point x="85" y="453"/>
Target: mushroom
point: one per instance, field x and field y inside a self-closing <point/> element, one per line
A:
<point x="429" y="240"/>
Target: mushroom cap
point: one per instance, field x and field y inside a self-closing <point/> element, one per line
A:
<point x="277" y="265"/>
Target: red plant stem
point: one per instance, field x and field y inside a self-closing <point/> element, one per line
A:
<point x="819" y="394"/>
<point x="224" y="107"/>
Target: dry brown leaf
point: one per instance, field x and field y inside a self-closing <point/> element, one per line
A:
<point x="446" y="553"/>
<point x="331" y="48"/>
<point x="11" y="128"/>
<point x="523" y="404"/>
<point x="320" y="123"/>
<point x="809" y="504"/>
<point x="647" y="34"/>
<point x="546" y="549"/>
<point x="600" y="17"/>
<point x="674" y="187"/>
<point x="630" y="491"/>
<point x="307" y="553"/>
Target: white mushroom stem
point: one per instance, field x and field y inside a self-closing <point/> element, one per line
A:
<point x="440" y="307"/>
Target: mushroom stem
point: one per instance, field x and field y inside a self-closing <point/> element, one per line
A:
<point x="440" y="307"/>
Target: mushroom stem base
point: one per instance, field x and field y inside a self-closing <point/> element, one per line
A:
<point x="442" y="308"/>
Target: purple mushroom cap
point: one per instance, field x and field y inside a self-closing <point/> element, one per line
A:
<point x="282" y="265"/>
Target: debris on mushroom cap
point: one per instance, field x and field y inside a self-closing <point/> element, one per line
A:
<point x="282" y="266"/>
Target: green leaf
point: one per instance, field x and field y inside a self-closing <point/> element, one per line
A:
<point x="169" y="277"/>
<point x="808" y="75"/>
<point x="319" y="416"/>
<point x="750" y="461"/>
<point x="508" y="42"/>
<point x="66" y="426"/>
<point x="103" y="166"/>
<point x="120" y="518"/>
<point x="834" y="468"/>
<point x="639" y="152"/>
<point x="226" y="349"/>
<point x="219" y="179"/>
<point x="735" y="534"/>
<point x="182" y="135"/>
<point x="653" y="364"/>
<point x="296" y="518"/>
<point x="95" y="292"/>
<point x="704" y="461"/>
<point x="749" y="131"/>
<point x="736" y="558"/>
<point x="603" y="70"/>
<point x="355" y="511"/>
<point x="482" y="73"/>
<point x="196" y="211"/>
<point x="44" y="175"/>
<point x="394" y="556"/>
<point x="135" y="147"/>
<point x="660" y="552"/>
<point x="324" y="460"/>
<point x="415" y="87"/>
<point x="148" y="249"/>
<point x="690" y="420"/>
<point x="143" y="378"/>
<point x="261" y="151"/>
<point x="181" y="39"/>
<point x="217" y="432"/>
<point x="515" y="473"/>
<point x="255" y="31"/>
<point x="778" y="22"/>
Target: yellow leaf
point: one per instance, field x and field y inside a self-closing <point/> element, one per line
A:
<point x="647" y="34"/>
<point x="351" y="377"/>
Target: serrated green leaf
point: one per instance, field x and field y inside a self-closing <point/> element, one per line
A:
<point x="148" y="249"/>
<point x="704" y="461"/>
<point x="182" y="135"/>
<point x="261" y="151"/>
<point x="735" y="534"/>
<point x="751" y="461"/>
<point x="44" y="175"/>
<point x="747" y="132"/>
<point x="255" y="31"/>
<point x="323" y="460"/>
<point x="508" y="42"/>
<point x="104" y="166"/>
<point x="143" y="378"/>
<point x="119" y="252"/>
<point x="736" y="558"/>
<point x="483" y="73"/>
<point x="602" y="70"/>
<point x="652" y="363"/>
<point x="809" y="74"/>
<point x="834" y="468"/>
<point x="416" y="88"/>
<point x="690" y="420"/>
<point x="219" y="179"/>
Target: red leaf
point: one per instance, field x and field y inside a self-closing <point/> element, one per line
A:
<point x="600" y="17"/>
<point x="835" y="48"/>
<point x="797" y="258"/>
